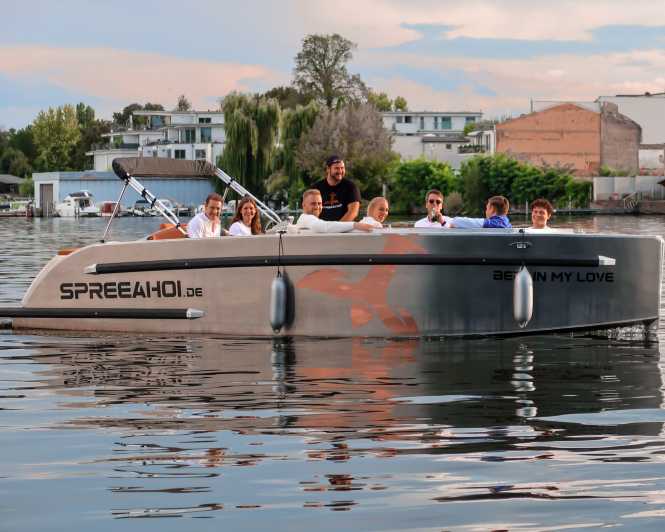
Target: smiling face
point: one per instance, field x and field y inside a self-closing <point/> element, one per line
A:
<point x="312" y="204"/>
<point x="335" y="173"/>
<point x="247" y="212"/>
<point x="539" y="217"/>
<point x="213" y="209"/>
<point x="379" y="211"/>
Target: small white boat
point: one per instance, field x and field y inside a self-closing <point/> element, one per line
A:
<point x="76" y="204"/>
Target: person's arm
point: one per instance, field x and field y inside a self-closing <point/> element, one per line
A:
<point x="352" y="210"/>
<point x="460" y="222"/>
<point x="353" y="207"/>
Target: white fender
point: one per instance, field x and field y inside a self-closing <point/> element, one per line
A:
<point x="523" y="297"/>
<point x="278" y="303"/>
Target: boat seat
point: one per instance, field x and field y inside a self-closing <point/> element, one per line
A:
<point x="167" y="232"/>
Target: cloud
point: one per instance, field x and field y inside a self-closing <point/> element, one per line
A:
<point x="499" y="87"/>
<point x="119" y="77"/>
<point x="380" y="23"/>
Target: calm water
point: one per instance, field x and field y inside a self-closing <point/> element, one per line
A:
<point x="125" y="433"/>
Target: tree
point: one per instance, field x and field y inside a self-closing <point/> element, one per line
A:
<point x="356" y="134"/>
<point x="56" y="134"/>
<point x="183" y="104"/>
<point x="290" y="178"/>
<point x="252" y="125"/>
<point x="84" y="114"/>
<point x="483" y="176"/>
<point x="122" y="118"/>
<point x="380" y="100"/>
<point x="27" y="188"/>
<point x="409" y="181"/>
<point x="288" y="97"/>
<point x="400" y="104"/>
<point x="24" y="140"/>
<point x="14" y="162"/>
<point x="91" y="135"/>
<point x="321" y="70"/>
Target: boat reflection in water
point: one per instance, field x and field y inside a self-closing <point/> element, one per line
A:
<point x="185" y="407"/>
<point x="173" y="427"/>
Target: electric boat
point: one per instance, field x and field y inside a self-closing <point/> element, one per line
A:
<point x="388" y="283"/>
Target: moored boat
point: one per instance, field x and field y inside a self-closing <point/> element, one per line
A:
<point x="75" y="204"/>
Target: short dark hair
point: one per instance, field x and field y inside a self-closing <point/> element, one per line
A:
<point x="543" y="204"/>
<point x="500" y="203"/>
<point x="213" y="196"/>
<point x="333" y="159"/>
<point x="434" y="191"/>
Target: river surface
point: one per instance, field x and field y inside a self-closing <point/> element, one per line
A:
<point x="112" y="432"/>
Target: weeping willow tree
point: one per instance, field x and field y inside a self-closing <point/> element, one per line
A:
<point x="251" y="123"/>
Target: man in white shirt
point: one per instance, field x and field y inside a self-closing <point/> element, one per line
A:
<point x="434" y="206"/>
<point x="207" y="223"/>
<point x="312" y="205"/>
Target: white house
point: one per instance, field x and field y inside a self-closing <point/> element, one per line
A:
<point x="189" y="135"/>
<point x="430" y="134"/>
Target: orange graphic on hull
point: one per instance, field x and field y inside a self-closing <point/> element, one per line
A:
<point x="369" y="296"/>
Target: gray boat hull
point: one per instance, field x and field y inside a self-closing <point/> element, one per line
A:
<point x="399" y="283"/>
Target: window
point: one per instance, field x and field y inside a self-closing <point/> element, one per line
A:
<point x="408" y="119"/>
<point x="179" y="154"/>
<point x="205" y="120"/>
<point x="206" y="134"/>
<point x="446" y="122"/>
<point x="189" y="134"/>
<point x="436" y="122"/>
<point x="422" y="122"/>
<point x="399" y="119"/>
<point x="200" y="154"/>
<point x="449" y="146"/>
<point x="470" y="120"/>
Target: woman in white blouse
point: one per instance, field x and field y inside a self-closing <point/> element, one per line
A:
<point x="247" y="220"/>
<point x="377" y="212"/>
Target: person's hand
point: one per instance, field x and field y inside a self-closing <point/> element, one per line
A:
<point x="362" y="227"/>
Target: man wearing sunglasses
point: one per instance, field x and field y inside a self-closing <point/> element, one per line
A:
<point x="434" y="206"/>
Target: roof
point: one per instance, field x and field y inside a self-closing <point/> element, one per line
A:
<point x="450" y="138"/>
<point x="161" y="167"/>
<point x="432" y="113"/>
<point x="8" y="179"/>
<point x="140" y="112"/>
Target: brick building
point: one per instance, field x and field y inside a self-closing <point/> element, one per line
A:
<point x="582" y="137"/>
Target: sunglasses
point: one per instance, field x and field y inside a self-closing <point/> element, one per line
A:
<point x="435" y="201"/>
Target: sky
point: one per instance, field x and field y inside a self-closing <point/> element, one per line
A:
<point x="492" y="56"/>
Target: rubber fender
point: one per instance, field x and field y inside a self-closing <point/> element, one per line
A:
<point x="278" y="303"/>
<point x="523" y="297"/>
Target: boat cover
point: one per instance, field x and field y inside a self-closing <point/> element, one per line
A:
<point x="125" y="167"/>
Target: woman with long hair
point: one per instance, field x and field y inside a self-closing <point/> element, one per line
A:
<point x="247" y="220"/>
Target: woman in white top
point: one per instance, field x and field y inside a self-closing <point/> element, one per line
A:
<point x="247" y="220"/>
<point x="377" y="212"/>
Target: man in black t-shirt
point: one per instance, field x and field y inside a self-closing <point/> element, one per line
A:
<point x="341" y="197"/>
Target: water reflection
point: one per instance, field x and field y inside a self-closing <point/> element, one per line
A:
<point x="203" y="425"/>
